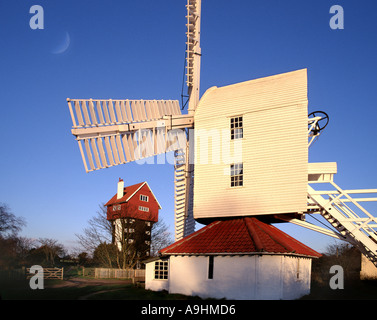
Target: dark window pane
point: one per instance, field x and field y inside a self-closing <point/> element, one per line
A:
<point x="210" y="267"/>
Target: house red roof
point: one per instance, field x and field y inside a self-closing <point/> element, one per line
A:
<point x="238" y="236"/>
<point x="128" y="193"/>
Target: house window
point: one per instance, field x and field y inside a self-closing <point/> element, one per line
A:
<point x="236" y="128"/>
<point x="161" y="270"/>
<point x="236" y="175"/>
<point x="144" y="198"/>
<point x="116" y="207"/>
<point x="210" y="267"/>
<point x="145" y="209"/>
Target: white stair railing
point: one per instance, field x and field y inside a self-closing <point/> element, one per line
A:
<point x="347" y="216"/>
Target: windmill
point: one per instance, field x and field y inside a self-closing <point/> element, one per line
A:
<point x="266" y="119"/>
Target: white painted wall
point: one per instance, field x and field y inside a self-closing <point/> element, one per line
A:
<point x="118" y="230"/>
<point x="269" y="277"/>
<point x="150" y="282"/>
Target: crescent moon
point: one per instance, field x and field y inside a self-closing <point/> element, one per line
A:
<point x="64" y="45"/>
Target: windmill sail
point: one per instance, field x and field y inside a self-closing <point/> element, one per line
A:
<point x="193" y="52"/>
<point x="113" y="132"/>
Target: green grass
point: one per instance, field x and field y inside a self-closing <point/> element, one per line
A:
<point x="22" y="291"/>
<point x="354" y="290"/>
<point x="133" y="293"/>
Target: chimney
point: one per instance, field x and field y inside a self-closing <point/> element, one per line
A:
<point x="120" y="193"/>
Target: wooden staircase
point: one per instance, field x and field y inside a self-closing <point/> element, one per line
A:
<point x="351" y="220"/>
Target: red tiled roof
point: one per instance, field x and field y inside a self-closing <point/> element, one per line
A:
<point x="128" y="191"/>
<point x="242" y="236"/>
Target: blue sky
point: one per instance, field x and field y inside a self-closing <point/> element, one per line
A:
<point x="135" y="50"/>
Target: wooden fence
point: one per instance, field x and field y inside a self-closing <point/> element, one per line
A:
<point x="12" y="275"/>
<point x="24" y="273"/>
<point x="136" y="275"/>
<point x="48" y="273"/>
<point x="87" y="272"/>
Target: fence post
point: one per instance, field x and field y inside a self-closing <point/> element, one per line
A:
<point x="134" y="277"/>
<point x="62" y="272"/>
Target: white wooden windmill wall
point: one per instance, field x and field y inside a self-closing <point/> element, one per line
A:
<point x="250" y="150"/>
<point x="271" y="147"/>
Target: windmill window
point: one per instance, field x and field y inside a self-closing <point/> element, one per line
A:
<point x="236" y="128"/>
<point x="236" y="175"/>
<point x="161" y="270"/>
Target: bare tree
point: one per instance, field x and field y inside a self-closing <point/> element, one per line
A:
<point x="126" y="255"/>
<point x="51" y="249"/>
<point x="99" y="231"/>
<point x="105" y="255"/>
<point x="24" y="246"/>
<point x="161" y="237"/>
<point x="345" y="255"/>
<point x="9" y="223"/>
<point x="102" y="236"/>
<point x="97" y="238"/>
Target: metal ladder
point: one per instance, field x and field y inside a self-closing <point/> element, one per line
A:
<point x="353" y="222"/>
<point x="183" y="195"/>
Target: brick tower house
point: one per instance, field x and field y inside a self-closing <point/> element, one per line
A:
<point x="133" y="210"/>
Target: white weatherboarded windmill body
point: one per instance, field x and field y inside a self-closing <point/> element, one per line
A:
<point x="240" y="151"/>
